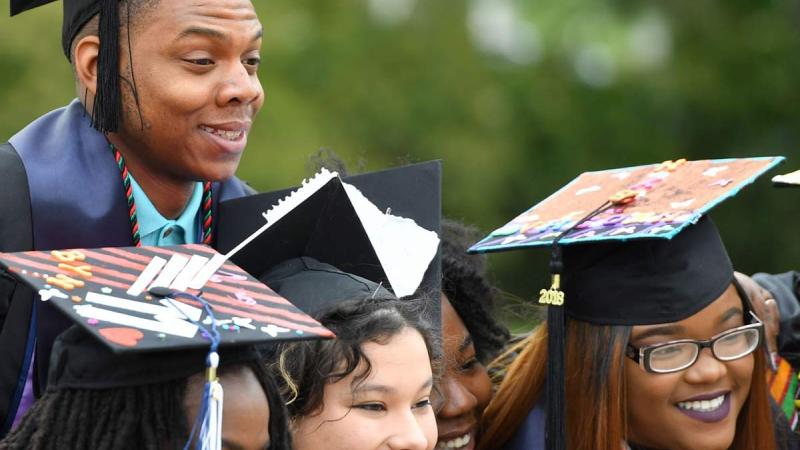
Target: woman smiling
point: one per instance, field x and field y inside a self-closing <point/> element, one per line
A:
<point x="471" y="337"/>
<point x="368" y="389"/>
<point x="650" y="342"/>
<point x="668" y="355"/>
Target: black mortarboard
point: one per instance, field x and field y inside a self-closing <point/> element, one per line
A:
<point x="80" y="361"/>
<point x="326" y="226"/>
<point x="107" y="110"/>
<point x="314" y="286"/>
<point x="629" y="247"/>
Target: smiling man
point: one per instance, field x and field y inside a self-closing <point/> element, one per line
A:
<point x="167" y="92"/>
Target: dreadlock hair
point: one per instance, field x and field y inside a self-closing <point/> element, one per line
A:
<point x="306" y="367"/>
<point x="465" y="284"/>
<point x="132" y="13"/>
<point x="144" y="417"/>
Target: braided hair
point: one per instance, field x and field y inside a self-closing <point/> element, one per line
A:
<point x="465" y="284"/>
<point x="143" y="417"/>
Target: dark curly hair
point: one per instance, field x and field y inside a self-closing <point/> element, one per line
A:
<point x="144" y="417"/>
<point x="465" y="284"/>
<point x="306" y="367"/>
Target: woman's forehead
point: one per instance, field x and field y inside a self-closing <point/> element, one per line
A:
<point x="726" y="307"/>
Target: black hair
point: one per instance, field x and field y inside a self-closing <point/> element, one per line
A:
<point x="107" y="114"/>
<point x="144" y="417"/>
<point x="465" y="284"/>
<point x="306" y="367"/>
<point x="132" y="12"/>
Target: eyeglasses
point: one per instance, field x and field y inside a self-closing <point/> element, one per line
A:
<point x="675" y="356"/>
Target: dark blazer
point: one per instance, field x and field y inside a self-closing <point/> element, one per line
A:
<point x="22" y="320"/>
<point x="16" y="300"/>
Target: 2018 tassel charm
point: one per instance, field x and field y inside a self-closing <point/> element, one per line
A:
<point x="553" y="296"/>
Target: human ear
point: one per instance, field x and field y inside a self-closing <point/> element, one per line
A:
<point x="84" y="59"/>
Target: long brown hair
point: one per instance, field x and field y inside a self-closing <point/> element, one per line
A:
<point x="595" y="397"/>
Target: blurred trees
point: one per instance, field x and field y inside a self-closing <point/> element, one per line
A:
<point x="517" y="97"/>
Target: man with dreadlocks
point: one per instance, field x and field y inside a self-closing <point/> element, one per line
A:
<point x="167" y="92"/>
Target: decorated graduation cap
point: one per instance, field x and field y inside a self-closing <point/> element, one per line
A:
<point x="791" y="179"/>
<point x="377" y="230"/>
<point x="628" y="247"/>
<point x="147" y="315"/>
<point x="107" y="110"/>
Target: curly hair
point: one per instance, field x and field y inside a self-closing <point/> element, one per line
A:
<point x="144" y="417"/>
<point x="465" y="284"/>
<point x="306" y="367"/>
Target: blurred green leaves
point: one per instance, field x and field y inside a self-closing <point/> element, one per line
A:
<point x="516" y="96"/>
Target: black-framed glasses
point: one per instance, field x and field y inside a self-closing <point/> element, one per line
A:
<point x="674" y="356"/>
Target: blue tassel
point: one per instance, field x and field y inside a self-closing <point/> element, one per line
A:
<point x="206" y="431"/>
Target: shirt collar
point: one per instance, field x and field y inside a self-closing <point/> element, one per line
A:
<point x="151" y="220"/>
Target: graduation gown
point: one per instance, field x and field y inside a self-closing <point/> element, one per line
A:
<point x="60" y="188"/>
<point x="785" y="288"/>
<point x="530" y="435"/>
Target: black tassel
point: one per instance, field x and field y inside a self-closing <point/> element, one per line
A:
<point x="554" y="298"/>
<point x="107" y="112"/>
<point x="556" y="431"/>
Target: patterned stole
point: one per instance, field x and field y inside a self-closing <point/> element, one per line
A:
<point x="783" y="389"/>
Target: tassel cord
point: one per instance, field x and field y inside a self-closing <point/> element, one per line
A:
<point x="556" y="428"/>
<point x="207" y="428"/>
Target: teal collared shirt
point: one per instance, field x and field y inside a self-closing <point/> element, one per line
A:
<point x="157" y="230"/>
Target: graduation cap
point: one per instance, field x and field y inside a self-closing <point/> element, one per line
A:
<point x="381" y="227"/>
<point x="791" y="179"/>
<point x="628" y="247"/>
<point x="138" y="321"/>
<point x="107" y="111"/>
<point x="109" y="293"/>
<point x="315" y="286"/>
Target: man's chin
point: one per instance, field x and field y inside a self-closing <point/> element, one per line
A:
<point x="217" y="171"/>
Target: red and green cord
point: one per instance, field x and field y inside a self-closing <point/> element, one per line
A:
<point x="207" y="218"/>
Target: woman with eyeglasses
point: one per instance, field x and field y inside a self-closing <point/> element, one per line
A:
<point x="662" y="352"/>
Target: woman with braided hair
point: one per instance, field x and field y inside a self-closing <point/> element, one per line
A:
<point x="101" y="400"/>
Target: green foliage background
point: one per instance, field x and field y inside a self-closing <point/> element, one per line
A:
<point x="516" y="96"/>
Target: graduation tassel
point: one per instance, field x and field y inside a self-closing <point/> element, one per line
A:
<point x="556" y="429"/>
<point x="107" y="109"/>
<point x="554" y="298"/>
<point x="210" y="437"/>
<point x="206" y="431"/>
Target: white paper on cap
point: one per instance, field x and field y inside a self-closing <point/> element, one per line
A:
<point x="301" y="194"/>
<point x="404" y="248"/>
<point x="286" y="204"/>
<point x="148" y="274"/>
<point x="163" y="323"/>
<point x="207" y="271"/>
<point x="185" y="277"/>
<point x="792" y="178"/>
<point x="167" y="307"/>
<point x="175" y="264"/>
